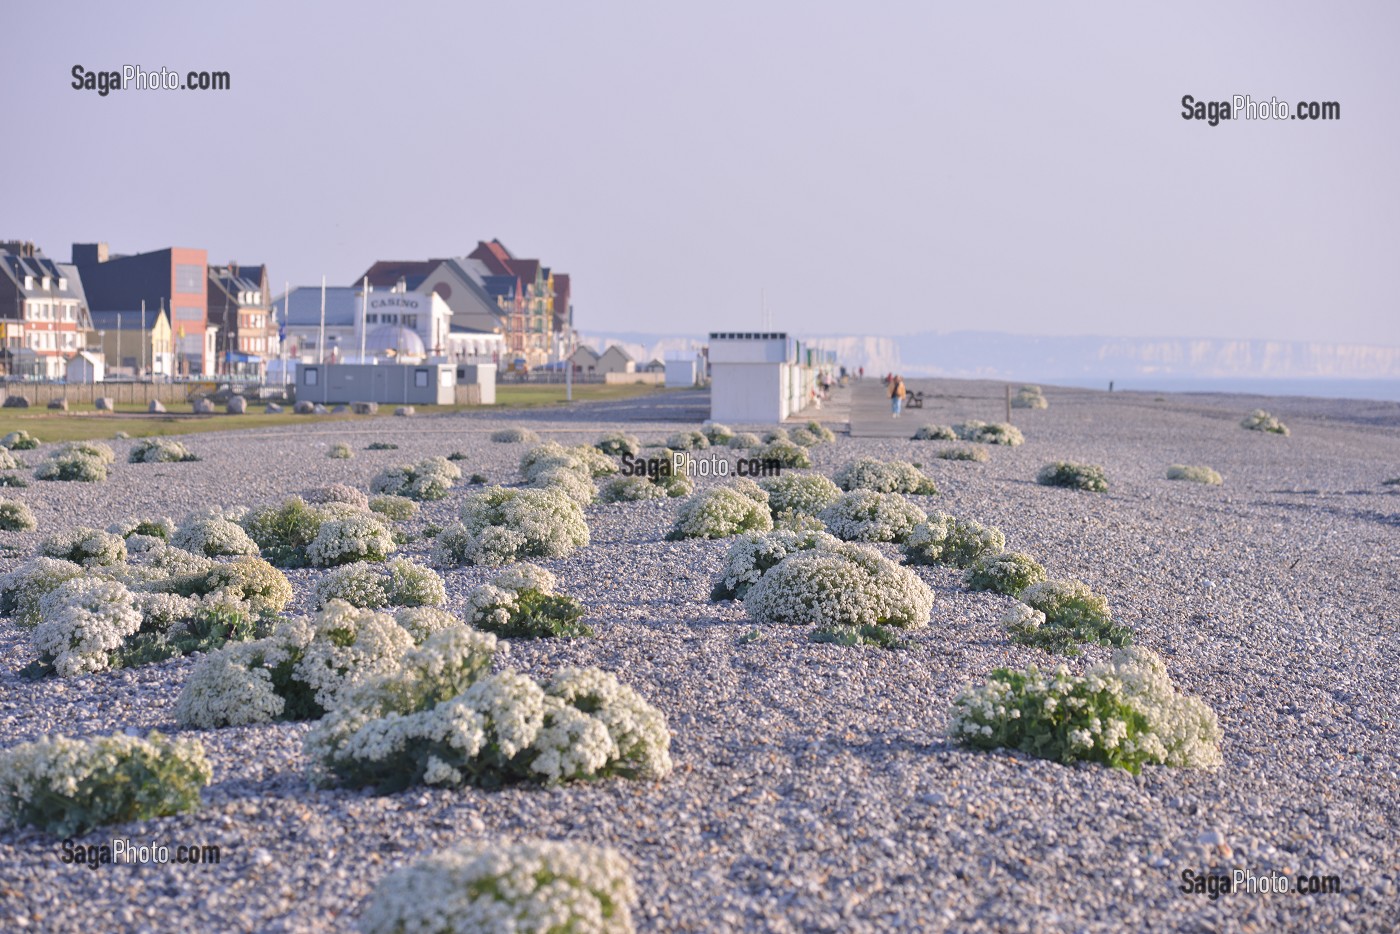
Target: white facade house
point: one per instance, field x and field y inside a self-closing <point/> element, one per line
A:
<point x="392" y="327"/>
<point x="85" y="367"/>
<point x="758" y="377"/>
<point x="682" y="370"/>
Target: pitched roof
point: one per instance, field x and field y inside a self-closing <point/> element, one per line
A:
<point x="126" y="320"/>
<point x="386" y="273"/>
<point x="342" y="307"/>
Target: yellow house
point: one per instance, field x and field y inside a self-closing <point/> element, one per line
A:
<point x="136" y="342"/>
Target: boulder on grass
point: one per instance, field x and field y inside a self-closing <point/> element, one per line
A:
<point x="304" y="408"/>
<point x="203" y="407"/>
<point x="319" y="409"/>
<point x="365" y="408"/>
<point x="105" y="404"/>
<point x="156" y="407"/>
<point x="60" y="404"/>
<point x="340" y="410"/>
<point x="237" y="405"/>
<point x="404" y="410"/>
<point x="274" y="409"/>
<point x="16" y="402"/>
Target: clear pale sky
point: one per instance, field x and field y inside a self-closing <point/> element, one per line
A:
<point x="877" y="168"/>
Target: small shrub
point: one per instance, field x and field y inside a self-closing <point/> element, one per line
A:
<point x="868" y="634"/>
<point x="70" y="786"/>
<point x="340" y="451"/>
<point x="721" y="511"/>
<point x="13" y="480"/>
<point x="458" y="456"/>
<point x="338" y="493"/>
<point x="744" y="440"/>
<point x="443" y="718"/>
<point x="371" y="586"/>
<point x="505" y="886"/>
<point x="632" y="489"/>
<point x="1124" y="713"/>
<point x="1059" y="616"/>
<point x="159" y="451"/>
<point x="381" y="446"/>
<point x="1259" y="420"/>
<point x="8" y="460"/>
<point x="935" y="433"/>
<point x="521" y="604"/>
<point x="1074" y="476"/>
<point x="787" y="453"/>
<point x="1194" y="474"/>
<point x="83" y="622"/>
<point x="868" y="516"/>
<point x="514" y="436"/>
<point x="846" y="585"/>
<point x="429" y="479"/>
<point x="775" y="434"/>
<point x="688" y="441"/>
<point x="87" y="547"/>
<point x="803" y="437"/>
<point x="161" y="528"/>
<point x="356" y="537"/>
<point x="478" y="479"/>
<point x="297" y="673"/>
<point x="283" y="531"/>
<point x="994" y="433"/>
<point x="213" y="537"/>
<point x="16" y="517"/>
<point x="19" y="441"/>
<point x="575" y="484"/>
<point x="83" y="462"/>
<point x="584" y="459"/>
<point x="23" y="588"/>
<point x="618" y="443"/>
<point x="717" y="434"/>
<point x="753" y="553"/>
<point x="804" y="493"/>
<point x="954" y="542"/>
<point x="1009" y="573"/>
<point x="1029" y="397"/>
<point x="979" y="455"/>
<point x="502" y="525"/>
<point x="395" y="508"/>
<point x="823" y="434"/>
<point x="884" y="477"/>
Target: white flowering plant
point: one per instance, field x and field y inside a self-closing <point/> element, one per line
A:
<point x="618" y="443"/>
<point x="575" y="484"/>
<point x="946" y="540"/>
<point x="1029" y="397"/>
<point x="338" y="493"/>
<point x="1124" y="713"/>
<point x="16" y="517"/>
<point x="753" y="553"/>
<point x="804" y="493"/>
<point x="993" y="433"/>
<point x="823" y="434"/>
<point x="584" y="458"/>
<point x="23" y="588"/>
<point x="1260" y="420"/>
<point x="935" y="433"/>
<point x="1194" y="474"/>
<point x="501" y="525"/>
<point x="744" y="441"/>
<point x="802" y="437"/>
<point x="213" y="537"/>
<point x="398" y="582"/>
<point x="868" y="516"/>
<point x="974" y="455"/>
<point x="1074" y="476"/>
<point x="1008" y="572"/>
<point x="161" y="528"/>
<point x="688" y="441"/>
<point x="340" y="451"/>
<point x="443" y="719"/>
<point x="159" y="451"/>
<point x="394" y="508"/>
<point x="70" y="786"/>
<point x="1066" y="614"/>
<point x="360" y="536"/>
<point x="83" y="623"/>
<point x="19" y="441"/>
<point x="776" y="434"/>
<point x="524" y="886"/>
<point x="429" y="479"/>
<point x="87" y="547"/>
<point x="839" y="585"/>
<point x="785" y="452"/>
<point x="521" y="603"/>
<point x="76" y="462"/>
<point x="722" y="511"/>
<point x="885" y="477"/>
<point x="8" y="461"/>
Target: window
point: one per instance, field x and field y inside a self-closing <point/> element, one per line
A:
<point x="410" y="321"/>
<point x="189" y="278"/>
<point x="420" y="378"/>
<point x="62" y="284"/>
<point x="189" y="315"/>
<point x="310" y="375"/>
<point x="371" y="319"/>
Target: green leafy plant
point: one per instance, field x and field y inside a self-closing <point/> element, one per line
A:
<point x="1009" y="572"/>
<point x="1259" y="420"/>
<point x="381" y="446"/>
<point x="1074" y="476"/>
<point x="866" y="634"/>
<point x="1059" y="616"/>
<point x="957" y="543"/>
<point x="1194" y="474"/>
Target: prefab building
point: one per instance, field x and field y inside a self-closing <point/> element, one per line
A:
<point x="754" y="377"/>
<point x="393" y="384"/>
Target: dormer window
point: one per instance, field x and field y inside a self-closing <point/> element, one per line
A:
<point x="28" y="283"/>
<point x="62" y="284"/>
<point x="44" y="284"/>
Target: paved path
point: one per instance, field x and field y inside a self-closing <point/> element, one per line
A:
<point x="945" y="402"/>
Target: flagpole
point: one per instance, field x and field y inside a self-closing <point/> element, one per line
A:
<point x="143" y="335"/>
<point x="282" y="329"/>
<point x="321" y="335"/>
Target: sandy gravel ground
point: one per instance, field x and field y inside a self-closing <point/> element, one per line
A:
<point x="815" y="787"/>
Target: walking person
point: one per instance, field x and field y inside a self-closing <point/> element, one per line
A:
<point x="896" y="396"/>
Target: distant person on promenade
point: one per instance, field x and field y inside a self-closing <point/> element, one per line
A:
<point x="861" y="373"/>
<point x="896" y="395"/>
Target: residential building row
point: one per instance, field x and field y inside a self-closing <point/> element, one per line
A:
<point x="169" y="313"/>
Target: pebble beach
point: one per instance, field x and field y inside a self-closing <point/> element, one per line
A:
<point x="815" y="785"/>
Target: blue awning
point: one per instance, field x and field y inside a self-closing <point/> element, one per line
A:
<point x="235" y="357"/>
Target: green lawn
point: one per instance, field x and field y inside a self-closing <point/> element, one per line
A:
<point x="51" y="425"/>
